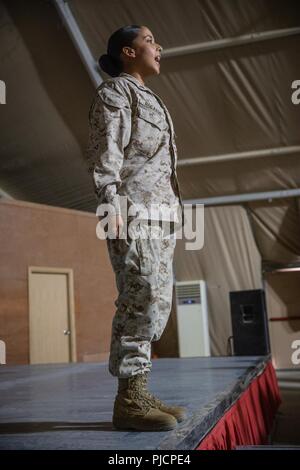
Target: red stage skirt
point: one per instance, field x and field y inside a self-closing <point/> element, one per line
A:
<point x="249" y="420"/>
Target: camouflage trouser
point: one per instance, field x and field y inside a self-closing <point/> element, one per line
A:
<point x="144" y="278"/>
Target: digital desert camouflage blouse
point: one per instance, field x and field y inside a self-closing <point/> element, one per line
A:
<point x="132" y="152"/>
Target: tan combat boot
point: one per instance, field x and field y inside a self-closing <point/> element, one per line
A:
<point x="177" y="411"/>
<point x="133" y="410"/>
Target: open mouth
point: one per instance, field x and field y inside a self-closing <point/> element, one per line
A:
<point x="157" y="60"/>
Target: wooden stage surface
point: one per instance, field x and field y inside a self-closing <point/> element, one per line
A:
<point x="69" y="406"/>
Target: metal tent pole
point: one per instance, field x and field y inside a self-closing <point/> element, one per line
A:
<point x="79" y="41"/>
<point x="272" y="152"/>
<point x="230" y="42"/>
<point x="240" y="198"/>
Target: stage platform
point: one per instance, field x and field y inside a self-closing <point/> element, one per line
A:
<point x="69" y="406"/>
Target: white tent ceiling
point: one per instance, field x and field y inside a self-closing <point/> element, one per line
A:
<point x="226" y="100"/>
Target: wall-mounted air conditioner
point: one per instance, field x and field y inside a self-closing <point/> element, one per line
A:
<point x="192" y="318"/>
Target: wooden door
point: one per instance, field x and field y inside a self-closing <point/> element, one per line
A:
<point x="51" y="316"/>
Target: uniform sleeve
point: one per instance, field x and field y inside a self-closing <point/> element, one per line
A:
<point x="109" y="134"/>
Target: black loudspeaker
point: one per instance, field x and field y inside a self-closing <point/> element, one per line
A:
<point x="249" y="323"/>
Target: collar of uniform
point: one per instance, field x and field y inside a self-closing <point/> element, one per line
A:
<point x="130" y="77"/>
<point x="133" y="79"/>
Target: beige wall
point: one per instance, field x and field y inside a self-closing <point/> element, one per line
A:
<point x="41" y="235"/>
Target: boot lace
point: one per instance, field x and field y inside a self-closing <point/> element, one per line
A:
<point x="142" y="397"/>
<point x="141" y="400"/>
<point x="153" y="400"/>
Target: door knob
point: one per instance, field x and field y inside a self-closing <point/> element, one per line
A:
<point x="67" y="332"/>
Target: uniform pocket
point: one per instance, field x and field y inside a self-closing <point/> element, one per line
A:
<point x="112" y="97"/>
<point x="151" y="117"/>
<point x="149" y="247"/>
<point x="133" y="254"/>
<point x="137" y="255"/>
<point x="147" y="130"/>
<point x="144" y="252"/>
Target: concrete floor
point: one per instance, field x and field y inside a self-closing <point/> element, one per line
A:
<point x="69" y="406"/>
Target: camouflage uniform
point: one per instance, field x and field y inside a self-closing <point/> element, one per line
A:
<point x="144" y="276"/>
<point x="132" y="153"/>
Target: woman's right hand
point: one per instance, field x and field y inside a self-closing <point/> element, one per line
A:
<point x="115" y="225"/>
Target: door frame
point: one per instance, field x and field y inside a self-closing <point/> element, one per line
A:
<point x="71" y="305"/>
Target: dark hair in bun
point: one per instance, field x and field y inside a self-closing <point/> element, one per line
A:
<point x="111" y="63"/>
